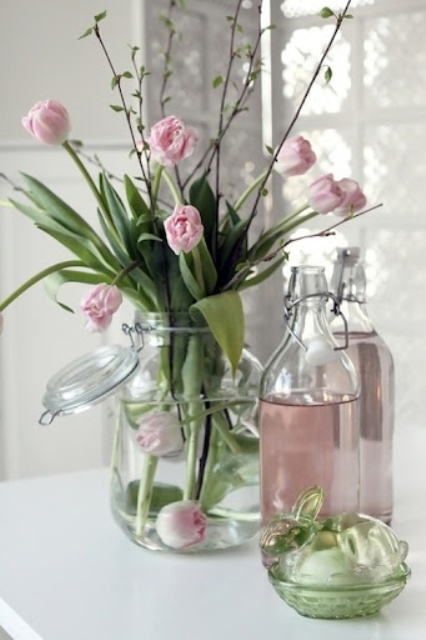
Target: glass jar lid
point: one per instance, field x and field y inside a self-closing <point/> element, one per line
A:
<point x="88" y="380"/>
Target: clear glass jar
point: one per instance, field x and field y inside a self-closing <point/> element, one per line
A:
<point x="186" y="436"/>
<point x="309" y="421"/>
<point x="374" y="363"/>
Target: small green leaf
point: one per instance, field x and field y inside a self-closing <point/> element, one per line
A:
<point x="328" y="74"/>
<point x="114" y="81"/>
<point x="326" y="12"/>
<point x="127" y="74"/>
<point x="167" y="22"/>
<point x="116" y="107"/>
<point x="86" y="33"/>
<point x="217" y="81"/>
<point x="224" y="314"/>
<point x="264" y="192"/>
<point x="100" y="16"/>
<point x="269" y="149"/>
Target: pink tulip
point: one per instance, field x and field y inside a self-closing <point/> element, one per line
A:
<point x="159" y="434"/>
<point x="99" y="305"/>
<point x="181" y="524"/>
<point x="295" y="157"/>
<point x="171" y="141"/>
<point x="48" y="121"/>
<point x="184" y="228"/>
<point x="325" y="194"/>
<point x="354" y="198"/>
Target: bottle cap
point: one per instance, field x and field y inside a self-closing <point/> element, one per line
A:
<point x="350" y="255"/>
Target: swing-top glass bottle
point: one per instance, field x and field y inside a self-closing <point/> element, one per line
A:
<point x="374" y="364"/>
<point x="309" y="421"/>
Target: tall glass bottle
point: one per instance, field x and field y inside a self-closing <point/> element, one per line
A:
<point x="309" y="422"/>
<point x="374" y="364"/>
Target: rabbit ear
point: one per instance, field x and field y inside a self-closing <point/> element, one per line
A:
<point x="308" y="503"/>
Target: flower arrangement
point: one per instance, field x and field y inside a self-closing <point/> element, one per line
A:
<point x="191" y="254"/>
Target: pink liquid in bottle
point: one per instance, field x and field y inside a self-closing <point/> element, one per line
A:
<point x="308" y="444"/>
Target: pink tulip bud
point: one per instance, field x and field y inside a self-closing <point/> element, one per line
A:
<point x="48" y="121"/>
<point x="325" y="194"/>
<point x="159" y="434"/>
<point x="181" y="524"/>
<point x="354" y="198"/>
<point x="184" y="228"/>
<point x="171" y="141"/>
<point x="295" y="157"/>
<point x="99" y="305"/>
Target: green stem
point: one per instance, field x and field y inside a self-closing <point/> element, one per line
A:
<point x="172" y="188"/>
<point x="221" y="425"/>
<point x="293" y="214"/>
<point x="89" y="180"/>
<point x="37" y="277"/>
<point x="115" y="444"/>
<point x="156" y="186"/>
<point x="145" y="493"/>
<point x="123" y="273"/>
<point x="192" y="376"/>
<point x="209" y="467"/>
<point x="296" y="223"/>
<point x="243" y="197"/>
<point x="191" y="455"/>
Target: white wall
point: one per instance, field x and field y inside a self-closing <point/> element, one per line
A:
<point x="41" y="57"/>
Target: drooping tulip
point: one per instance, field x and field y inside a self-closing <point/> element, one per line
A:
<point x="181" y="524"/>
<point x="49" y="122"/>
<point x="159" y="434"/>
<point x="99" y="305"/>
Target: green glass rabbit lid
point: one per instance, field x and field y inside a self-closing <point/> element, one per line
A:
<point x="348" y="548"/>
<point x="343" y="566"/>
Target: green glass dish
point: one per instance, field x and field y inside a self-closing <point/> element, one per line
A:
<point x="338" y="601"/>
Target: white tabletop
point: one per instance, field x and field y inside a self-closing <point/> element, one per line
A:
<point x="68" y="573"/>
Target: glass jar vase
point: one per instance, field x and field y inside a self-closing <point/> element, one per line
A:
<point x="185" y="461"/>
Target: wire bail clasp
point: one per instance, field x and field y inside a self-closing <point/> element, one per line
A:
<point x="288" y="310"/>
<point x="136" y="334"/>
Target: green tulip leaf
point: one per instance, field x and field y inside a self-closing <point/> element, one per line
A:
<point x="162" y="495"/>
<point x="187" y="270"/>
<point x="54" y="282"/>
<point x="224" y="315"/>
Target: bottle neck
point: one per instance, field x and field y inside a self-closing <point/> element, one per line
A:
<point x="348" y="284"/>
<point x="308" y="319"/>
<point x="306" y="302"/>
